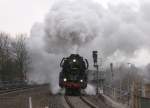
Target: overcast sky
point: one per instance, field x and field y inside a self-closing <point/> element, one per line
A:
<point x="19" y="15"/>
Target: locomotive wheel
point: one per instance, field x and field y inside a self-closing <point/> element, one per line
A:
<point x="73" y="92"/>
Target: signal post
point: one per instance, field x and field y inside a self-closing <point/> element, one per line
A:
<point x="95" y="56"/>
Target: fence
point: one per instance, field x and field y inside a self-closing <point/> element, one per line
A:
<point x="117" y="94"/>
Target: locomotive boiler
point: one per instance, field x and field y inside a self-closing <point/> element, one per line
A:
<point x="73" y="76"/>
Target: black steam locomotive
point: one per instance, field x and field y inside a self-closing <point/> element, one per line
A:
<point x="73" y="76"/>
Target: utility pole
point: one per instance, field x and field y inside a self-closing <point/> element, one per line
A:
<point x="136" y="94"/>
<point x="112" y="73"/>
<point x="129" y="92"/>
<point x="97" y="70"/>
<point x="112" y="80"/>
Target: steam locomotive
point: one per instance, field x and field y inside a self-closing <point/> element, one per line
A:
<point x="73" y="76"/>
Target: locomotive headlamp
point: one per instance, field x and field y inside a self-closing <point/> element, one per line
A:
<point x="81" y="80"/>
<point x="65" y="79"/>
<point x="74" y="60"/>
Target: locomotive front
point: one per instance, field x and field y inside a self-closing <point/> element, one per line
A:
<point x="73" y="76"/>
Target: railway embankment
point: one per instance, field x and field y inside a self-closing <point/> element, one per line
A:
<point x="36" y="96"/>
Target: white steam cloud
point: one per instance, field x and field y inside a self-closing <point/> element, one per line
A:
<point x="90" y="89"/>
<point x="71" y="24"/>
<point x="83" y="26"/>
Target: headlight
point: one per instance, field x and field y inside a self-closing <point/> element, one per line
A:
<point x="81" y="80"/>
<point x="74" y="60"/>
<point x="65" y="79"/>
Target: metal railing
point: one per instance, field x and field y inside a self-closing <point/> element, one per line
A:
<point x="119" y="95"/>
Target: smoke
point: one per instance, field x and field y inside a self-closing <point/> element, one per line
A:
<point x="124" y="32"/>
<point x="90" y="90"/>
<point x="120" y="31"/>
<point x="70" y="25"/>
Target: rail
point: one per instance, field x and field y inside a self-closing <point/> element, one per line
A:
<point x="69" y="101"/>
<point x="20" y="89"/>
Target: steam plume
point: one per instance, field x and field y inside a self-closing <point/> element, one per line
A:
<point x="85" y="25"/>
<point x="71" y="24"/>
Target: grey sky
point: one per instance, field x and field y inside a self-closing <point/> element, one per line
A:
<point x="19" y="15"/>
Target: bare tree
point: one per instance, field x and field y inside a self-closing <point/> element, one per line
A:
<point x="22" y="57"/>
<point x="14" y="58"/>
<point x="5" y="59"/>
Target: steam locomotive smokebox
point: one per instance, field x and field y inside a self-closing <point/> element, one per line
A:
<point x="73" y="76"/>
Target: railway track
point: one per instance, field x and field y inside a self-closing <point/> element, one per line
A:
<point x="78" y="102"/>
<point x="2" y="92"/>
<point x="99" y="101"/>
<point x="25" y="96"/>
<point x="19" y="89"/>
